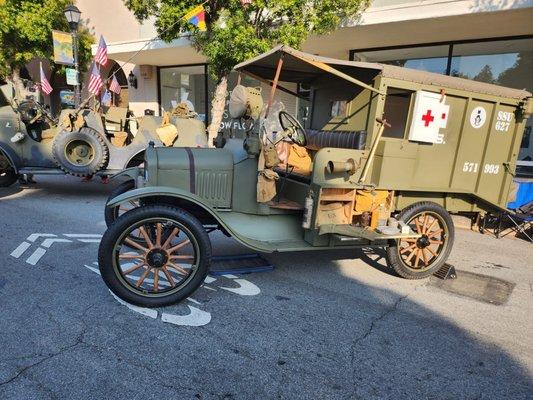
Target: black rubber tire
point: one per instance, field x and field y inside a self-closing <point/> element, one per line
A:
<point x="8" y="177"/>
<point x="111" y="213"/>
<point x="89" y="135"/>
<point x="394" y="259"/>
<point x="111" y="276"/>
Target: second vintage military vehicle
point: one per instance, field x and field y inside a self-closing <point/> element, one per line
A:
<point x="84" y="142"/>
<point x="388" y="154"/>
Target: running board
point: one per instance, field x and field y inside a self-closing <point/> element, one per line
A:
<point x="41" y="171"/>
<point x="363" y="232"/>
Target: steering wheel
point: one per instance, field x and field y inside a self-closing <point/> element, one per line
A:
<point x="289" y="123"/>
<point x="29" y="111"/>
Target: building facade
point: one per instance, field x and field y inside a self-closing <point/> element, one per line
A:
<point x="485" y="40"/>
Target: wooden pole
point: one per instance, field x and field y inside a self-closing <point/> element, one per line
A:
<point x="274" y="85"/>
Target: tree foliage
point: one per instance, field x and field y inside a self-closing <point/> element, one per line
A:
<point x="26" y="32"/>
<point x="236" y="32"/>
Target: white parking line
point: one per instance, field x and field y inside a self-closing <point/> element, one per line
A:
<point x="20" y="249"/>
<point x="82" y="235"/>
<point x="34" y="236"/>
<point x="36" y="256"/>
<point x="49" y="242"/>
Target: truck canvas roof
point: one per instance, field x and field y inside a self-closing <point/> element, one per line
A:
<point x="305" y="68"/>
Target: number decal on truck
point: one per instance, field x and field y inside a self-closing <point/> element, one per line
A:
<point x="503" y="121"/>
<point x="470" y="167"/>
<point x="491" y="168"/>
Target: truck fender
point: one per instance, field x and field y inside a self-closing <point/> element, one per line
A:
<point x="133" y="172"/>
<point x="182" y="196"/>
<point x="11" y="156"/>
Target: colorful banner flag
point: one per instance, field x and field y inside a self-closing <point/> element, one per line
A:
<point x="196" y="17"/>
<point x="114" y="86"/>
<point x="95" y="81"/>
<point x="45" y="85"/>
<point x="63" y="50"/>
<point x="101" y="52"/>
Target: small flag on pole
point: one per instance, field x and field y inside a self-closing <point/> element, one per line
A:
<point x="196" y="17"/>
<point x="95" y="81"/>
<point x="114" y="86"/>
<point x="101" y="52"/>
<point x="45" y="85"/>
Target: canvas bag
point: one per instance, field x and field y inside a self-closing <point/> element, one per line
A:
<point x="266" y="185"/>
<point x="299" y="159"/>
<point x="167" y="132"/>
<point x="271" y="156"/>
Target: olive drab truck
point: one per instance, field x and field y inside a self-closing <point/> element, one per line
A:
<point x="387" y="154"/>
<point x="84" y="142"/>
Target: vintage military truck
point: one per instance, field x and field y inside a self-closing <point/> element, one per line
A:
<point x="85" y="142"/>
<point x="389" y="153"/>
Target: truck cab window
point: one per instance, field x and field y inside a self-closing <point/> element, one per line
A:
<point x="396" y="112"/>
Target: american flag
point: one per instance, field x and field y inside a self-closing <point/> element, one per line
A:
<point x="95" y="82"/>
<point x="101" y="53"/>
<point x="114" y="86"/>
<point x="45" y="85"/>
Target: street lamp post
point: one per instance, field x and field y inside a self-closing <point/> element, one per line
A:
<point x="73" y="14"/>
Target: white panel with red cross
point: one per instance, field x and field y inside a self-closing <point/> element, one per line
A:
<point x="429" y="115"/>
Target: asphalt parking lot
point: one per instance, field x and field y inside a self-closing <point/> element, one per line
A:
<point x="331" y="325"/>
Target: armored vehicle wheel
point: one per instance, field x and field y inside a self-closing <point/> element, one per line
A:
<point x="80" y="153"/>
<point x="420" y="258"/>
<point x="8" y="176"/>
<point x="168" y="268"/>
<point x="112" y="213"/>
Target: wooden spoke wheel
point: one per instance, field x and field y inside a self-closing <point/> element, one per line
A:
<point x="421" y="257"/>
<point x="170" y="263"/>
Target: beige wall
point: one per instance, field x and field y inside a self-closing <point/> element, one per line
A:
<point x="113" y="20"/>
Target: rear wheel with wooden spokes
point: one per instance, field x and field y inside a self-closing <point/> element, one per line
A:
<point x="421" y="257"/>
<point x="169" y="264"/>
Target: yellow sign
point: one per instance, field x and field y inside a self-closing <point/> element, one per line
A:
<point x="63" y="51"/>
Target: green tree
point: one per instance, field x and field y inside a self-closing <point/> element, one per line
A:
<point x="237" y="31"/>
<point x="26" y="32"/>
<point x="485" y="75"/>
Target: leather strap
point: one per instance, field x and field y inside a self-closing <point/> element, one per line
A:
<point x="192" y="173"/>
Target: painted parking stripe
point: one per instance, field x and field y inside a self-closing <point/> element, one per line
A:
<point x="49" y="242"/>
<point x="20" y="249"/>
<point x="82" y="235"/>
<point x="35" y="236"/>
<point x="36" y="256"/>
<point x="196" y="317"/>
<point x="141" y="310"/>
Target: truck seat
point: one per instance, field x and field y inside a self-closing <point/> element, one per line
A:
<point x="317" y="139"/>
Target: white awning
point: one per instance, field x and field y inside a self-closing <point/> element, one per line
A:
<point x="154" y="52"/>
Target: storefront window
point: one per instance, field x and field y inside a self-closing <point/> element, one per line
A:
<point x="501" y="62"/>
<point x="506" y="63"/>
<point x="231" y="127"/>
<point x="428" y="58"/>
<point x="184" y="85"/>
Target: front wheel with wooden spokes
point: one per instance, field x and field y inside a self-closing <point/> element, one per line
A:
<point x="168" y="266"/>
<point x="421" y="257"/>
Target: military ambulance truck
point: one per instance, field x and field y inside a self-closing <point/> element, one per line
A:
<point x="389" y="153"/>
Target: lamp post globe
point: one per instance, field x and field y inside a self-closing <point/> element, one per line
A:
<point x="73" y="15"/>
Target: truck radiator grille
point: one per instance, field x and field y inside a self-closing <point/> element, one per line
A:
<point x="215" y="187"/>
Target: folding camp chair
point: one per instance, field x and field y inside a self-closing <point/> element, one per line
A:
<point x="519" y="215"/>
<point x="522" y="221"/>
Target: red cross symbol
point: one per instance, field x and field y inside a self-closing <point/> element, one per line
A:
<point x="427" y="118"/>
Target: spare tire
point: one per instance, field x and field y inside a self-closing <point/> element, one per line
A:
<point x="80" y="153"/>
